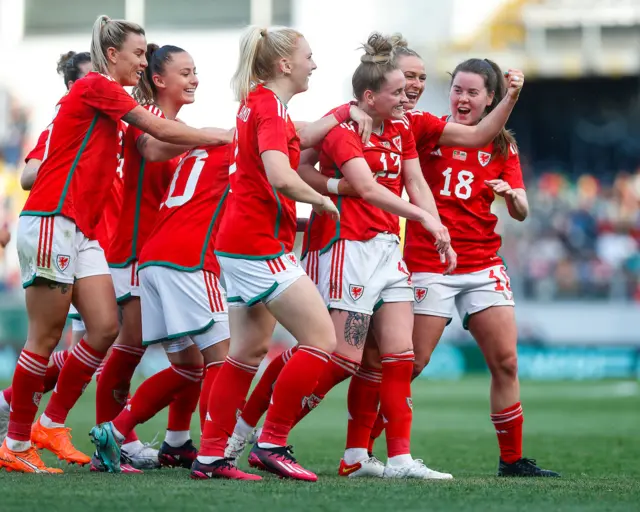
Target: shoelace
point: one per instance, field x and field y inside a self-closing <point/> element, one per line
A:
<point x="529" y="462"/>
<point x="284" y="453"/>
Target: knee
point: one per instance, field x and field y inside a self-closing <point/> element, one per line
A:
<point x="505" y="367"/>
<point x="252" y="355"/>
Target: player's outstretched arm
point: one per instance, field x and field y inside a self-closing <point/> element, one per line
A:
<point x="319" y="182"/>
<point x="312" y="134"/>
<point x="29" y="173"/>
<point x="175" y="132"/>
<point x="485" y="131"/>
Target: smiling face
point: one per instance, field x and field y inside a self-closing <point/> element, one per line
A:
<point x="468" y="97"/>
<point x="130" y="61"/>
<point x="416" y="77"/>
<point x="299" y="66"/>
<point x="390" y="101"/>
<point x="179" y="80"/>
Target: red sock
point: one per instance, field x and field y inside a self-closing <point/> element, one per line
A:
<point x="210" y="375"/>
<point x="76" y="373"/>
<point x="115" y="381"/>
<point x="363" y="399"/>
<point x="508" y="424"/>
<point x="100" y="368"/>
<point x="154" y="394"/>
<point x="395" y="401"/>
<point x="50" y="378"/>
<point x="258" y="402"/>
<point x="294" y="386"/>
<point x="339" y="369"/>
<point x="27" y="385"/>
<point x="376" y="432"/>
<point x="226" y="400"/>
<point x="183" y="406"/>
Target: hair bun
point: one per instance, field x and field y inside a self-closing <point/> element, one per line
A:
<point x="378" y="49"/>
<point x="64" y="60"/>
<point x="397" y="40"/>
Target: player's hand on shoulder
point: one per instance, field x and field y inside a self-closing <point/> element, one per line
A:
<point x="365" y="123"/>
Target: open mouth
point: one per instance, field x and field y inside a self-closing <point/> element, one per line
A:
<point x="464" y="111"/>
<point x="191" y="90"/>
<point x="412" y="96"/>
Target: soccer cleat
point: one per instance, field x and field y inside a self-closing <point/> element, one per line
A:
<point x="279" y="461"/>
<point x="415" y="469"/>
<point x="180" y="457"/>
<point x="369" y="467"/>
<point x="221" y="468"/>
<point x="524" y="467"/>
<point x="96" y="465"/>
<point x="141" y="455"/>
<point x="107" y="446"/>
<point x="57" y="441"/>
<point x="4" y="423"/>
<point x="24" y="462"/>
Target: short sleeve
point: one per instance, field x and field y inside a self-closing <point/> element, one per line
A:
<point x="342" y="144"/>
<point x="427" y="130"/>
<point x="512" y="172"/>
<point x="108" y="96"/>
<point x="272" y="121"/>
<point x="39" y="150"/>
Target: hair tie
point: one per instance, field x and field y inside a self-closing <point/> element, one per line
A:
<point x="263" y="32"/>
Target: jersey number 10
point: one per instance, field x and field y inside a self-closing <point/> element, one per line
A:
<point x="462" y="188"/>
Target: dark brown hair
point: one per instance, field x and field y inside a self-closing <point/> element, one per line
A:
<point x="495" y="83"/>
<point x="69" y="65"/>
<point x="157" y="57"/>
<point x="374" y="65"/>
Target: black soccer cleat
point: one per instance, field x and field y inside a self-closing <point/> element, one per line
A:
<point x="524" y="468"/>
<point x="181" y="457"/>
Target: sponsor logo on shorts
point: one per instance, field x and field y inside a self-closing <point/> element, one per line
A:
<point x="397" y="141"/>
<point x="419" y="294"/>
<point x="292" y="258"/>
<point x="484" y="158"/>
<point x="36" y="399"/>
<point x="62" y="262"/>
<point x="356" y="291"/>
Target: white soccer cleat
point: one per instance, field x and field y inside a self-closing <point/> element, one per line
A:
<point x="141" y="455"/>
<point x="369" y="468"/>
<point x="415" y="469"/>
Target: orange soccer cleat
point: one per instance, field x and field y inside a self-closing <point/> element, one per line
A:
<point x="57" y="441"/>
<point x="24" y="462"/>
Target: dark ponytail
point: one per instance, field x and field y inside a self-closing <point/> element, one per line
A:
<point x="69" y="65"/>
<point x="495" y="83"/>
<point x="157" y="57"/>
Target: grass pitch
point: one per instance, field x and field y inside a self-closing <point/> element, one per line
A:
<point x="589" y="432"/>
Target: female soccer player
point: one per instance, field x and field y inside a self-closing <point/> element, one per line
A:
<point x="183" y="305"/>
<point x="466" y="183"/>
<point x="168" y="83"/>
<point x="60" y="259"/>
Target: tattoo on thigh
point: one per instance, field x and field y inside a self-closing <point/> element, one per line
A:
<point x="356" y="327"/>
<point x="63" y="287"/>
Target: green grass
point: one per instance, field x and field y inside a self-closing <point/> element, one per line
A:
<point x="587" y="431"/>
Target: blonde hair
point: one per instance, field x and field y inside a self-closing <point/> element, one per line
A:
<point x="377" y="61"/>
<point x="401" y="47"/>
<point x="260" y="48"/>
<point x="108" y="33"/>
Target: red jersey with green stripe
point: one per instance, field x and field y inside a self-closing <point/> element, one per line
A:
<point x="259" y="223"/>
<point x="190" y="213"/>
<point x="76" y="176"/>
<point x="145" y="184"/>
<point x="384" y="154"/>
<point x="456" y="177"/>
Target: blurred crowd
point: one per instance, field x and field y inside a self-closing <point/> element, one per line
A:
<point x="581" y="240"/>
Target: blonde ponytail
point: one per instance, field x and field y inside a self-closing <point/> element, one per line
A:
<point x="260" y="49"/>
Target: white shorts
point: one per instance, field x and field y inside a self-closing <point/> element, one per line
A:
<point x="439" y="295"/>
<point x="252" y="281"/>
<point x="55" y="249"/>
<point x="177" y="304"/>
<point x="126" y="281"/>
<point x="356" y="276"/>
<point x="77" y="325"/>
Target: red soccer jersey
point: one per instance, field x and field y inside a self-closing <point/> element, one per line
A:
<point x="456" y="177"/>
<point x="259" y="222"/>
<point x="427" y="130"/>
<point x="145" y="184"/>
<point x="75" y="177"/>
<point x="384" y="154"/>
<point x="189" y="216"/>
<point x="38" y="152"/>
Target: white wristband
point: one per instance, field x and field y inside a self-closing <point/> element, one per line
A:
<point x="332" y="186"/>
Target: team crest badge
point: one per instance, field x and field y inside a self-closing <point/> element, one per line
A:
<point x="397" y="142"/>
<point x="36" y="399"/>
<point x="120" y="396"/>
<point x="292" y="258"/>
<point x="310" y="402"/>
<point x="62" y="262"/>
<point x="356" y="291"/>
<point x="419" y="294"/>
<point x="484" y="158"/>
